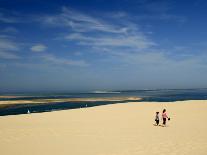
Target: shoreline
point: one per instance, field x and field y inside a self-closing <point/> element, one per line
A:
<point x="19" y="107"/>
<point x="9" y="107"/>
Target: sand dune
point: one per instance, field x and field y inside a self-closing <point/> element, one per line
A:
<point x="119" y="129"/>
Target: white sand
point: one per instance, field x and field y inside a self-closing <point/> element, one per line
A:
<point x="120" y="129"/>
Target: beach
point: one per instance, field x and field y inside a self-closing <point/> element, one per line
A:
<point x="118" y="129"/>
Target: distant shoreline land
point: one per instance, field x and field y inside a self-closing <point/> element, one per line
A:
<point x="42" y="102"/>
<point x="19" y="105"/>
<point x="48" y="101"/>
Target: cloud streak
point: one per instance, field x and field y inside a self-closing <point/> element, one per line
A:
<point x="115" y="41"/>
<point x="8" y="49"/>
<point x="80" y="22"/>
<point x="111" y="32"/>
<point x="8" y="55"/>
<point x="62" y="61"/>
<point x="38" y="48"/>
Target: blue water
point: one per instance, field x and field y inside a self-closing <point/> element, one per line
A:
<point x="163" y="95"/>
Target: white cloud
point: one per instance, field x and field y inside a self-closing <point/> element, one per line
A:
<point x="61" y="61"/>
<point x="130" y="41"/>
<point x="81" y="22"/>
<point x="38" y="48"/>
<point x="112" y="32"/>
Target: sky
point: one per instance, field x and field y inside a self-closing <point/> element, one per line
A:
<point x="79" y="45"/>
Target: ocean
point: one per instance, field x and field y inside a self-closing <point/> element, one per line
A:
<point x="158" y="95"/>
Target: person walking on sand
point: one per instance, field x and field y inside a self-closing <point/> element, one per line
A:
<point x="157" y="119"/>
<point x="164" y="117"/>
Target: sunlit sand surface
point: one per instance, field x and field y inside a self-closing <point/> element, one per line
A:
<point x="118" y="129"/>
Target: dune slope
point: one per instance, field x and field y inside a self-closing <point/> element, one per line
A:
<point x="119" y="129"/>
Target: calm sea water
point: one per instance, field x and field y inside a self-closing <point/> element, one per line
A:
<point x="164" y="95"/>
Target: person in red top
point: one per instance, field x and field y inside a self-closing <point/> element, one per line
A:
<point x="164" y="117"/>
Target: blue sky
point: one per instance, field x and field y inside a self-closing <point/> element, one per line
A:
<point x="102" y="45"/>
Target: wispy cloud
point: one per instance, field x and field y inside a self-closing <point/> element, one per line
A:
<point x="111" y="32"/>
<point x="52" y="59"/>
<point x="80" y="22"/>
<point x="6" y="44"/>
<point x="38" y="48"/>
<point x="8" y="19"/>
<point x="8" y="49"/>
<point x="62" y="61"/>
<point x="160" y="59"/>
<point x="8" y="55"/>
<point x="115" y="41"/>
<point x="119" y="34"/>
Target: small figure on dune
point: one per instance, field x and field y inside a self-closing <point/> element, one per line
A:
<point x="157" y="119"/>
<point x="164" y="117"/>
